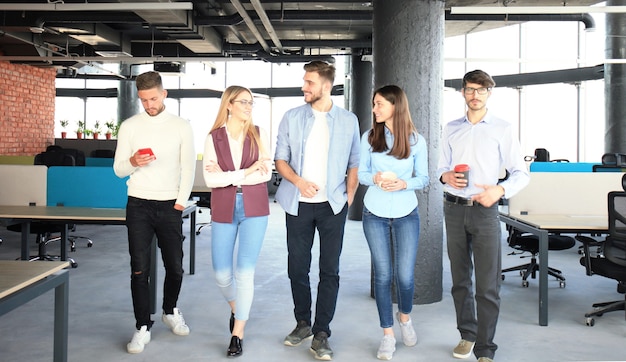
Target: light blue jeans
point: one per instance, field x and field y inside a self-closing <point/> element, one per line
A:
<point x="393" y="247"/>
<point x="236" y="282"/>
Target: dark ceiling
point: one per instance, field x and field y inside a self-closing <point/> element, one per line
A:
<point x="72" y="33"/>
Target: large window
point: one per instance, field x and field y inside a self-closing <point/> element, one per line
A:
<point x="566" y="119"/>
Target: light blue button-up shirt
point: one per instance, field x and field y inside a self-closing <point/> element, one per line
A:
<point x="488" y="147"/>
<point x="343" y="153"/>
<point x="413" y="170"/>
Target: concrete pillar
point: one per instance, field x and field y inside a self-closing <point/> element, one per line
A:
<point x="408" y="38"/>
<point x="360" y="98"/>
<point x="127" y="101"/>
<point x="615" y="81"/>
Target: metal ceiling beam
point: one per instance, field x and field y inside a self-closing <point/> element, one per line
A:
<point x="536" y="9"/>
<point x="250" y="23"/>
<point x="574" y="75"/>
<point x="267" y="23"/>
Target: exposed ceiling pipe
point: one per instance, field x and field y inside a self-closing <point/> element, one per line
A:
<point x="586" y="19"/>
<point x="267" y="24"/>
<point x="288" y="16"/>
<point x="130" y="6"/>
<point x="246" y="18"/>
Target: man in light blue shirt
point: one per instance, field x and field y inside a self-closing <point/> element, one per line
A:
<point x="317" y="155"/>
<point x="486" y="144"/>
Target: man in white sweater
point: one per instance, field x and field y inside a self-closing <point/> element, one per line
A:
<point x="155" y="148"/>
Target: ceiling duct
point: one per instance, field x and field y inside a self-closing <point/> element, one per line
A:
<point x="169" y="68"/>
<point x="179" y="25"/>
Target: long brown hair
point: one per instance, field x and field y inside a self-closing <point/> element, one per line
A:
<point x="404" y="132"/>
<point x="229" y="95"/>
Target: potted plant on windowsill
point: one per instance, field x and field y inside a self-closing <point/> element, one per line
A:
<point x="63" y="123"/>
<point x="80" y="130"/>
<point x="96" y="130"/>
<point x="111" y="129"/>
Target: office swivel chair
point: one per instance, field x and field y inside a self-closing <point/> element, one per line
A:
<point x="58" y="156"/>
<point x="204" y="204"/>
<point x="103" y="153"/>
<point x="54" y="156"/>
<point x="612" y="262"/>
<point x="530" y="243"/>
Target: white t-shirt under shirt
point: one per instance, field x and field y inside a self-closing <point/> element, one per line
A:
<point x="315" y="164"/>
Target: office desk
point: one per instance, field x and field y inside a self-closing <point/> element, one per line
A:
<point x="22" y="281"/>
<point x="541" y="226"/>
<point x="84" y="215"/>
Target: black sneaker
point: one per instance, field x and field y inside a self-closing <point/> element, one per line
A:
<point x="299" y="334"/>
<point x="321" y="348"/>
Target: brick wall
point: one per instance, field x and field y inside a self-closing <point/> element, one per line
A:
<point x="27" y="99"/>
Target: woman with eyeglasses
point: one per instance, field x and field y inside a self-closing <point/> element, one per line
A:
<point x="237" y="167"/>
<point x="394" y="163"/>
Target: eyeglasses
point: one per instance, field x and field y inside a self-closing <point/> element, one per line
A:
<point x="245" y="102"/>
<point x="470" y="91"/>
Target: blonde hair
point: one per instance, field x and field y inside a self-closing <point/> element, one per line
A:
<point x="229" y="95"/>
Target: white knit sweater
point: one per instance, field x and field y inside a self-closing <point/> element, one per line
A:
<point x="171" y="175"/>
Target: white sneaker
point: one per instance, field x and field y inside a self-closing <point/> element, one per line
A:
<point x="176" y="322"/>
<point x="140" y="339"/>
<point x="387" y="347"/>
<point x="408" y="333"/>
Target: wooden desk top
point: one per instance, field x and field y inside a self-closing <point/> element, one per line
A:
<point x="563" y="222"/>
<point x="18" y="274"/>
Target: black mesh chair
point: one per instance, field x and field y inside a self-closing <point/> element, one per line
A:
<point x="530" y="243"/>
<point x="611" y="262"/>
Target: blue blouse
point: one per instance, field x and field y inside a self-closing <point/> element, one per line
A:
<point x="413" y="170"/>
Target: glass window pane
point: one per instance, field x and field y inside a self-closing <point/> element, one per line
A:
<point x="485" y="47"/>
<point x="592" y="129"/>
<point x="550" y="122"/>
<point x="100" y="110"/>
<point x="250" y="74"/>
<point x="70" y="109"/>
<point x="549" y="45"/>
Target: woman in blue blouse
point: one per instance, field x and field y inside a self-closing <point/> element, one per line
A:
<point x="394" y="163"/>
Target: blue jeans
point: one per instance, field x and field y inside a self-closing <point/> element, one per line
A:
<point x="474" y="247"/>
<point x="300" y="233"/>
<point x="393" y="248"/>
<point x="237" y="283"/>
<point x="146" y="219"/>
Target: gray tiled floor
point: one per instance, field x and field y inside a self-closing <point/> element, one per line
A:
<point x="101" y="319"/>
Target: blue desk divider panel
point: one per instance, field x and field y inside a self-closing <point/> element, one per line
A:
<point x="87" y="186"/>
<point x="93" y="161"/>
<point x="561" y="166"/>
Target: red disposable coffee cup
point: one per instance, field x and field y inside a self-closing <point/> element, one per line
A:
<point x="464" y="169"/>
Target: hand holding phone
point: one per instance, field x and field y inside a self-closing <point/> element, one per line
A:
<point x="146" y="151"/>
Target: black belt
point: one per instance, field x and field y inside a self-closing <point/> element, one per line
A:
<point x="239" y="190"/>
<point x="457" y="199"/>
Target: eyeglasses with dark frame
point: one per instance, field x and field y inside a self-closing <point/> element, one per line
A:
<point x="470" y="91"/>
<point x="244" y="102"/>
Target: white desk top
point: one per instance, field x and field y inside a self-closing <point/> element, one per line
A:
<point x="67" y="213"/>
<point x="18" y="274"/>
<point x="61" y="213"/>
<point x="563" y="222"/>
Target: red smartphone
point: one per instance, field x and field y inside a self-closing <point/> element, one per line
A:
<point x="146" y="151"/>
